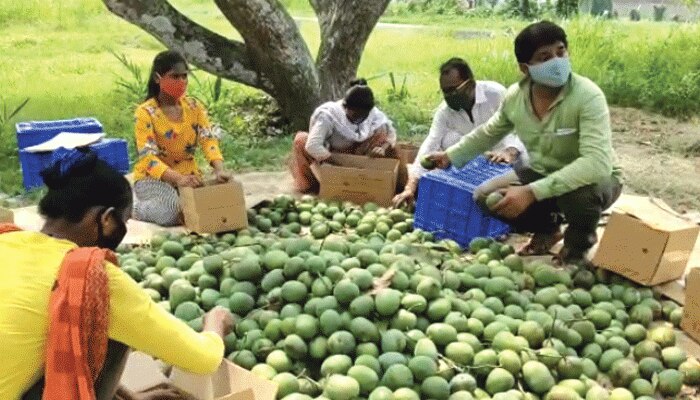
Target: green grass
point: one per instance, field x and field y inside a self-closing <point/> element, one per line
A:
<point x="58" y="53"/>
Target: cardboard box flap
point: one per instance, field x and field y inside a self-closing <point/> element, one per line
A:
<point x="209" y="197"/>
<point x="680" y="246"/>
<point x="362" y="162"/>
<point x="242" y="379"/>
<point x="630" y="248"/>
<point x="229" y="382"/>
<point x="691" y="310"/>
<point x="200" y="386"/>
<point x="407" y="152"/>
<point x="142" y="372"/>
<point x="654" y="212"/>
<point x="316" y="170"/>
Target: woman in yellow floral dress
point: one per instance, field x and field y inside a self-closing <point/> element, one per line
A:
<point x="169" y="128"/>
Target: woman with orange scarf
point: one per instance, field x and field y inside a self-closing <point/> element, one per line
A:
<point x="68" y="313"/>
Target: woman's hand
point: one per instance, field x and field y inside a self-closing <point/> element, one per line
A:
<point x="223" y="176"/>
<point x="192" y="181"/>
<point x="219" y="320"/>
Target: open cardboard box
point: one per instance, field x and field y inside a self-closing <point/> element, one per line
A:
<point x="647" y="242"/>
<point x="407" y="152"/>
<point x="214" y="208"/>
<point x="230" y="382"/>
<point x="358" y="179"/>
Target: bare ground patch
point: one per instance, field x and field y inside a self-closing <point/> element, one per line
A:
<point x="660" y="156"/>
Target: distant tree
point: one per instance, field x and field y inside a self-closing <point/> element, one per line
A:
<point x="635" y="15"/>
<point x="566" y="8"/>
<point x="272" y="55"/>
<point x="659" y="12"/>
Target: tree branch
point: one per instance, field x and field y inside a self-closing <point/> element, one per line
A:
<point x="345" y="29"/>
<point x="207" y="50"/>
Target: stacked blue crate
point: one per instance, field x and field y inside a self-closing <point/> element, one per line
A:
<point x="446" y="207"/>
<point x="36" y="132"/>
<point x="113" y="151"/>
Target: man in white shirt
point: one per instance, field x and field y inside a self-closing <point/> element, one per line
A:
<point x="468" y="104"/>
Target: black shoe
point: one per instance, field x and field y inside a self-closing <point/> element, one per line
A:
<point x="569" y="256"/>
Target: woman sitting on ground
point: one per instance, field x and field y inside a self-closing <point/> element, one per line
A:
<point x="68" y="314"/>
<point x="169" y="128"/>
<point x="352" y="125"/>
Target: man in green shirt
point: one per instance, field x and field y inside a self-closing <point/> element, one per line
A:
<point x="564" y="122"/>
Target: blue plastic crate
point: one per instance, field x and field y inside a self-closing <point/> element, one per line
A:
<point x="446" y="208"/>
<point x="112" y="151"/>
<point x="36" y="132"/>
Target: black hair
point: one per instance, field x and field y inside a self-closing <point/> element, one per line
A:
<point x="536" y="35"/>
<point x="459" y="64"/>
<point x="80" y="182"/>
<point x="359" y="96"/>
<point x="164" y="62"/>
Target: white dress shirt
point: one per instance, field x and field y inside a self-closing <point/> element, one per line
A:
<point x="449" y="126"/>
<point x="330" y="130"/>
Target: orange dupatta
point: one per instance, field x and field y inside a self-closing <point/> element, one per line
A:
<point x="78" y="314"/>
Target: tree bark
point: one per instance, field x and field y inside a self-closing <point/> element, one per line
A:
<point x="345" y="29"/>
<point x="205" y="49"/>
<point x="273" y="55"/>
<point x="279" y="52"/>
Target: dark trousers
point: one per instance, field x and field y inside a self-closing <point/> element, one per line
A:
<point x="581" y="209"/>
<point x="107" y="382"/>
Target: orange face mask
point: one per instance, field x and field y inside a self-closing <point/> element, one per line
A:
<point x="173" y="87"/>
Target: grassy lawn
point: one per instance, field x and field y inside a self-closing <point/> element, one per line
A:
<point x="59" y="54"/>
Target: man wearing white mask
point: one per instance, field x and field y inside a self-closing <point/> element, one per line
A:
<point x="564" y="121"/>
<point x="468" y="104"/>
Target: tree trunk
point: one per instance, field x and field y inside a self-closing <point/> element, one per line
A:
<point x="273" y="56"/>
<point x="279" y="52"/>
<point x="345" y="28"/>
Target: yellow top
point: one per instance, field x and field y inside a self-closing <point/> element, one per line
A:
<point x="29" y="270"/>
<point x="162" y="143"/>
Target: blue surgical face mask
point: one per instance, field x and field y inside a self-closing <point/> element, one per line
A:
<point x="553" y="73"/>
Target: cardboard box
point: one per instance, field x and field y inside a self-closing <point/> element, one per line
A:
<point x="214" y="208"/>
<point x="691" y="311"/>
<point x="647" y="242"/>
<point x="7" y="216"/>
<point x="407" y="152"/>
<point x="358" y="179"/>
<point x="230" y="382"/>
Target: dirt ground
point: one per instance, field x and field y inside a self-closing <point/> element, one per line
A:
<point x="659" y="156"/>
